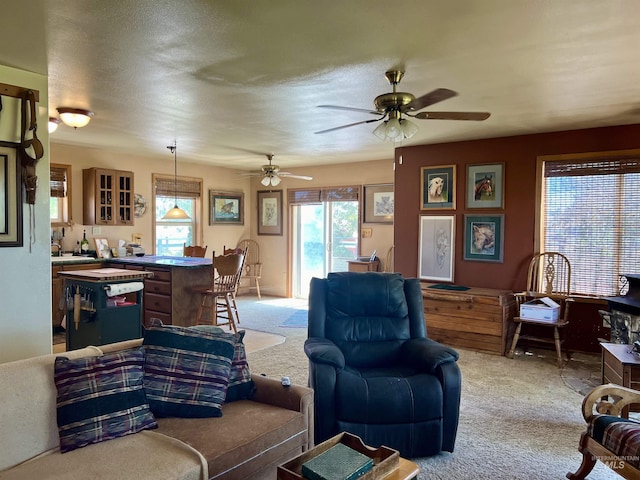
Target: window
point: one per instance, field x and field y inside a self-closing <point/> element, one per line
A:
<point x="590" y="206"/>
<point x="60" y="190"/>
<point x="171" y="235"/>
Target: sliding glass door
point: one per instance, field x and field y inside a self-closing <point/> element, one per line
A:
<point x="324" y="238"/>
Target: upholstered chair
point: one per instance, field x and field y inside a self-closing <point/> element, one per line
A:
<point x="374" y="371"/>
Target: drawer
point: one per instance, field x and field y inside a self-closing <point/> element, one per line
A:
<point x="161" y="275"/>
<point x="154" y="286"/>
<point x="164" y="317"/>
<point x="159" y="303"/>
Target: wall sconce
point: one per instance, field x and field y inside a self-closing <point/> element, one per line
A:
<point x="53" y="124"/>
<point x="75" y="117"/>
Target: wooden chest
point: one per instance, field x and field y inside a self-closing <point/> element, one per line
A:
<point x="477" y="318"/>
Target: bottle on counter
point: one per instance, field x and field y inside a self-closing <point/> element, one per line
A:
<point x="84" y="244"/>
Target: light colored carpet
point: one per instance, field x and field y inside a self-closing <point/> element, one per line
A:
<point x="519" y="419"/>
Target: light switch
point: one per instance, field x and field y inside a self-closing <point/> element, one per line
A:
<point x="367" y="232"/>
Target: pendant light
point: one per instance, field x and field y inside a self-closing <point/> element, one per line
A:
<point x="176" y="213"/>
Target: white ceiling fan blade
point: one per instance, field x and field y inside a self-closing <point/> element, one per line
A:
<point x="291" y="175"/>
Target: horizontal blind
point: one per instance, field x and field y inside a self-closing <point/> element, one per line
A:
<point x="58" y="182"/>
<point x="299" y="196"/>
<point x="590" y="215"/>
<point x="182" y="187"/>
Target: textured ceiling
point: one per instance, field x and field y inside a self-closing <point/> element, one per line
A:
<point x="231" y="80"/>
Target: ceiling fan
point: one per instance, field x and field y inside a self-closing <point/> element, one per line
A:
<point x="393" y="107"/>
<point x="272" y="174"/>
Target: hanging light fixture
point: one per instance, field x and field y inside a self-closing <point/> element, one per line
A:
<point x="272" y="180"/>
<point x="176" y="213"/>
<point x="53" y="124"/>
<point x="396" y="128"/>
<point x="75" y="117"/>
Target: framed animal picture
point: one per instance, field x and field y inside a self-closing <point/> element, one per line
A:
<point x="437" y="187"/>
<point x="226" y="208"/>
<point x="378" y="203"/>
<point x="484" y="238"/>
<point x="485" y="186"/>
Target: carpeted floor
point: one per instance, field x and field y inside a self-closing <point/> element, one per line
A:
<point x="519" y="419"/>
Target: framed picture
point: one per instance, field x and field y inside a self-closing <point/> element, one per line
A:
<point x="485" y="186"/>
<point x="269" y="212"/>
<point x="226" y="208"/>
<point x="10" y="197"/>
<point x="378" y="203"/>
<point x="437" y="187"/>
<point x="484" y="237"/>
<point x="436" y="249"/>
<point x="102" y="247"/>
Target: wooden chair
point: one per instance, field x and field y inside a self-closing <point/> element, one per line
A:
<point x="231" y="251"/>
<point x="194" y="251"/>
<point x="549" y="275"/>
<point x="603" y="410"/>
<point x="388" y="263"/>
<point x="252" y="265"/>
<point x="217" y="298"/>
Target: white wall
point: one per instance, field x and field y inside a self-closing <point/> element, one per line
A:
<point x="25" y="272"/>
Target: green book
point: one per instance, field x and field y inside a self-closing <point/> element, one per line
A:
<point x="338" y="463"/>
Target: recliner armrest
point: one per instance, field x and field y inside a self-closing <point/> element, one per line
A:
<point x="321" y="350"/>
<point x="427" y="354"/>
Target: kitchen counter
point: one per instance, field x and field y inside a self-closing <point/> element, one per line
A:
<point x="163" y="261"/>
<point x="73" y="259"/>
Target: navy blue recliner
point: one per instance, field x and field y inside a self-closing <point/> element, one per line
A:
<point x="373" y="370"/>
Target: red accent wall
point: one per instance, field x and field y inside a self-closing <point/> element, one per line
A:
<point x="519" y="155"/>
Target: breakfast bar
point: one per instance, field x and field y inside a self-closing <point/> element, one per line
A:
<point x="168" y="294"/>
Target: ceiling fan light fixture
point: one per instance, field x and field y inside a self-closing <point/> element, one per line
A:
<point x="381" y="131"/>
<point x="265" y="181"/>
<point x="275" y="181"/>
<point x="409" y="129"/>
<point x="75" y="117"/>
<point x="53" y="124"/>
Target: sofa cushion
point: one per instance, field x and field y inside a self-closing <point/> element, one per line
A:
<point x="186" y="371"/>
<point x="241" y="386"/>
<point x="100" y="398"/>
<point x="249" y="436"/>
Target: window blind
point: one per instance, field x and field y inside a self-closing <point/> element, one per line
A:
<point x="182" y="187"/>
<point x="590" y="214"/>
<point x="299" y="196"/>
<point x="58" y="182"/>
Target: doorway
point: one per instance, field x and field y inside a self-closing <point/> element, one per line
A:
<point x="324" y="239"/>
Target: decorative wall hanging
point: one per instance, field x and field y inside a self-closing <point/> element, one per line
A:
<point x="483" y="237"/>
<point x="436" y="248"/>
<point x="270" y="212"/>
<point x="437" y="187"/>
<point x="485" y="186"/>
<point x="378" y="203"/>
<point x="139" y="205"/>
<point x="226" y="208"/>
<point x="10" y="197"/>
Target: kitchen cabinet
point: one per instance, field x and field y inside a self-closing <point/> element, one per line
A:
<point x="57" y="314"/>
<point x="107" y="197"/>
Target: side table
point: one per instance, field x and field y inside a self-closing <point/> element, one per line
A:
<point x="620" y="365"/>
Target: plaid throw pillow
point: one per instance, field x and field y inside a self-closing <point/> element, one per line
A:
<point x="186" y="371"/>
<point x="240" y="386"/>
<point x="100" y="398"/>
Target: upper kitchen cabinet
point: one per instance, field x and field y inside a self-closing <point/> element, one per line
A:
<point x="107" y="197"/>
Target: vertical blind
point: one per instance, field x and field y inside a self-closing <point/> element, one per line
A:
<point x="590" y="214"/>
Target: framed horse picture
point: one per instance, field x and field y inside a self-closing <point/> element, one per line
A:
<point x="485" y="186"/>
<point x="437" y="187"/>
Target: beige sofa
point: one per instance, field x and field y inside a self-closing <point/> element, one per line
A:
<point x="250" y="439"/>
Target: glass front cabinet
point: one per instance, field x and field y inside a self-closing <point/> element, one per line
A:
<point x="107" y="197"/>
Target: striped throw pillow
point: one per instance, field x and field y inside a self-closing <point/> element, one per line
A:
<point x="186" y="371"/>
<point x="100" y="398"/>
